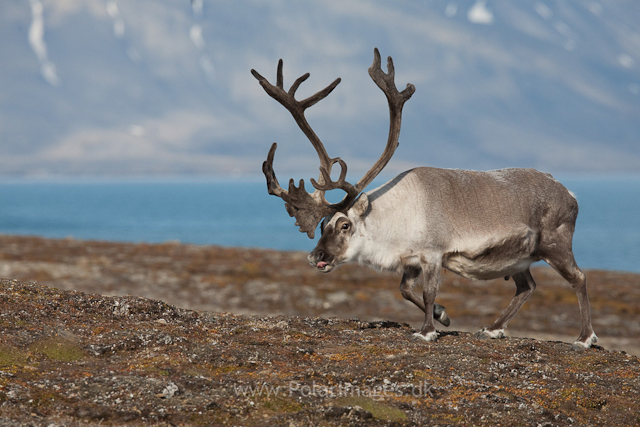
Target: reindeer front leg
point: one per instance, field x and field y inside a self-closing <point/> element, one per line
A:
<point x="410" y="278"/>
<point x="431" y="273"/>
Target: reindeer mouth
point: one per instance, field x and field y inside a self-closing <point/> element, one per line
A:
<point x="319" y="259"/>
<point x="324" y="266"/>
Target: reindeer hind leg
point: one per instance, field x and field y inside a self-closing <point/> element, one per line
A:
<point x="525" y="285"/>
<point x="558" y="253"/>
<point x="566" y="266"/>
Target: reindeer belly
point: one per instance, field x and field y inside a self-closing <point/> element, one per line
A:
<point x="485" y="269"/>
<point x="495" y="256"/>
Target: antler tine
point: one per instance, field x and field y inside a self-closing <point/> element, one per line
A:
<point x="297" y="83"/>
<point x="396" y="100"/>
<point x="329" y="184"/>
<point x="319" y="96"/>
<point x="273" y="187"/>
<point x="386" y="81"/>
<point x="341" y="183"/>
<point x="279" y="75"/>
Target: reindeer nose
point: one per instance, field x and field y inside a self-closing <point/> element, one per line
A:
<point x="315" y="256"/>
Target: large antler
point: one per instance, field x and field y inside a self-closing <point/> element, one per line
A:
<point x="386" y="82"/>
<point x="308" y="209"/>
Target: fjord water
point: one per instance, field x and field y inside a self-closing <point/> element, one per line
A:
<point x="229" y="213"/>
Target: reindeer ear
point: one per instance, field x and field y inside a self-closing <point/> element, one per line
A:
<point x="361" y="205"/>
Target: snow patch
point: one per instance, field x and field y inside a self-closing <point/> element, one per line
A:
<point x="451" y="10"/>
<point x="195" y="34"/>
<point x="134" y="55"/>
<point x="137" y="131"/>
<point x="49" y="73"/>
<point x="570" y="45"/>
<point x="38" y="45"/>
<point x="595" y="8"/>
<point x="36" y="31"/>
<point x="480" y="14"/>
<point x="543" y="10"/>
<point x="197" y="7"/>
<point x="208" y="68"/>
<point x="563" y="28"/>
<point x="118" y="22"/>
<point x="626" y="60"/>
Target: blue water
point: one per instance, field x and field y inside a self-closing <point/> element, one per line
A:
<point x="243" y="214"/>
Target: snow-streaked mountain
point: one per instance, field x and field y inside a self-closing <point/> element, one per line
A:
<point x="118" y="87"/>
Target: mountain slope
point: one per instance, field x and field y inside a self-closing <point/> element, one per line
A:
<point x="156" y="87"/>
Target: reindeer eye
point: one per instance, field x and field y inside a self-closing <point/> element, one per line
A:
<point x="345" y="226"/>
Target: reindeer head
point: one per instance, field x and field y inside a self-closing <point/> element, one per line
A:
<point x="311" y="208"/>
<point x="335" y="245"/>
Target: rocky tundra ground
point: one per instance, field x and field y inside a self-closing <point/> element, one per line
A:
<point x="99" y="333"/>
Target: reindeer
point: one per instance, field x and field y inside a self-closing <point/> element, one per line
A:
<point x="480" y="225"/>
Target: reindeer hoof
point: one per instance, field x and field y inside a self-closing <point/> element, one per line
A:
<point x="429" y="337"/>
<point x="440" y="314"/>
<point x="485" y="333"/>
<point x="585" y="344"/>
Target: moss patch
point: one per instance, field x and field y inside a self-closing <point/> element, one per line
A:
<point x="379" y="410"/>
<point x="58" y="349"/>
<point x="11" y="356"/>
